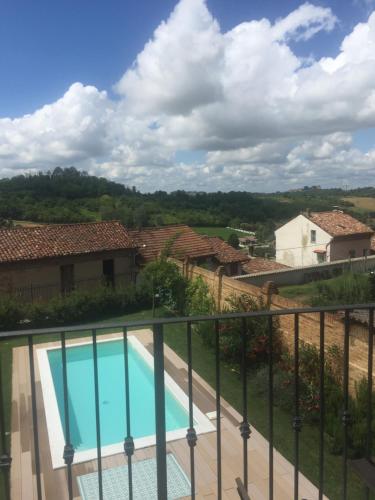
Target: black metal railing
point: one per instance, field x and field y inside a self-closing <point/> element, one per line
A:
<point x="158" y="327"/>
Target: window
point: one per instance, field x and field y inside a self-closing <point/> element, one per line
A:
<point x="322" y="257"/>
<point x="109" y="272"/>
<point x="351" y="254"/>
<point x="67" y="278"/>
<point x="313" y="236"/>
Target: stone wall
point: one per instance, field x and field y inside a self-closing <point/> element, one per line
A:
<point x="223" y="287"/>
<point x="306" y="274"/>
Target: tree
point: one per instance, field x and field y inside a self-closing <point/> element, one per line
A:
<point x="233" y="240"/>
<point x="163" y="278"/>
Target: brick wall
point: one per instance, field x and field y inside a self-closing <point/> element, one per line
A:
<point x="223" y="287"/>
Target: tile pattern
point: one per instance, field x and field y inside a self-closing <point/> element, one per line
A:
<point x="184" y="242"/>
<point x="116" y="486"/>
<point x="59" y="240"/>
<point x="337" y="223"/>
<point x="225" y="253"/>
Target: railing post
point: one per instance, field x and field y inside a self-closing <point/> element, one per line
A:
<point x="161" y="448"/>
<point x="191" y="434"/>
<point x="68" y="454"/>
<point x="5" y="458"/>
<point x="129" y="442"/>
<point x="244" y="427"/>
<point x="35" y="418"/>
<point x="270" y="407"/>
<point x="346" y="417"/>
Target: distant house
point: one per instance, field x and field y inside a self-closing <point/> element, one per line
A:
<point x="39" y="262"/>
<point x="317" y="237"/>
<point x="227" y="256"/>
<point x="372" y="251"/>
<point x="261" y="265"/>
<point x="247" y="241"/>
<point x="180" y="242"/>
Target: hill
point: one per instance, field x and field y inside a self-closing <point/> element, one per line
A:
<point x="68" y="195"/>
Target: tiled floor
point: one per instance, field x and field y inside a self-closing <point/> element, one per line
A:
<point x="54" y="482"/>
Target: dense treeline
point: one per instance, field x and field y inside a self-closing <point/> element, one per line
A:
<point x="68" y="195"/>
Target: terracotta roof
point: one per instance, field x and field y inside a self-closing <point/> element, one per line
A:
<point x="338" y="223"/>
<point x="32" y="243"/>
<point x="259" y="265"/>
<point x="152" y="241"/>
<point x="224" y="252"/>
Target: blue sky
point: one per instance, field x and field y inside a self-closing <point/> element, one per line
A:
<point x="48" y="45"/>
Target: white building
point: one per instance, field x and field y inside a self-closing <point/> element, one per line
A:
<point x="317" y="237"/>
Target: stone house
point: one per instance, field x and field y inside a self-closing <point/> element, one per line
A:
<point x="40" y="262"/>
<point x="182" y="242"/>
<point x="317" y="237"/>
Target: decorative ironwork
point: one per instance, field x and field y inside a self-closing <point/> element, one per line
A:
<point x="191" y="437"/>
<point x="68" y="455"/>
<point x="129" y="446"/>
<point x="5" y="460"/>
<point x="297" y="424"/>
<point x="245" y="430"/>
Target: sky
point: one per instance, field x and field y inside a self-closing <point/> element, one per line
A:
<point x="255" y="95"/>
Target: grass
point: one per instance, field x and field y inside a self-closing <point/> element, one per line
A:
<point x="222" y="232"/>
<point x="302" y="293"/>
<point x="231" y="390"/>
<point x="366" y="204"/>
<point x="348" y="288"/>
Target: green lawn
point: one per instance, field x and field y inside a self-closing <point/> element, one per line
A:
<point x="222" y="232"/>
<point x="302" y="293"/>
<point x="204" y="364"/>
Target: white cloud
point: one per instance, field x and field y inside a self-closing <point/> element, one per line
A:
<point x="265" y="117"/>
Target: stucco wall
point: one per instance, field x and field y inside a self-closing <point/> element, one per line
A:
<point x="301" y="275"/>
<point x="340" y="248"/>
<point x="293" y="242"/>
<point x="42" y="280"/>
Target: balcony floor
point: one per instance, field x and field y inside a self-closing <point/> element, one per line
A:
<point x="54" y="482"/>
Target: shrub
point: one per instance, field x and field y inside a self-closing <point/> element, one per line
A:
<point x="12" y="313"/>
<point x="347" y="289"/>
<point x="233" y="240"/>
<point x="163" y="278"/>
<point x="77" y="307"/>
<point x="199" y="301"/>
<point x="256" y="331"/>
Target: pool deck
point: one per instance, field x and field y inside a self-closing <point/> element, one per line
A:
<point x="54" y="482"/>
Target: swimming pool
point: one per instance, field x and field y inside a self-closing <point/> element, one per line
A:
<point x="80" y="373"/>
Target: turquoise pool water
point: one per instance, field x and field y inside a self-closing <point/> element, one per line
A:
<point x="80" y="371"/>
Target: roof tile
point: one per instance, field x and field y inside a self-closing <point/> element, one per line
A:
<point x="337" y="223"/>
<point x="259" y="265"/>
<point x="184" y="242"/>
<point x="32" y="243"/>
<point x="225" y="253"/>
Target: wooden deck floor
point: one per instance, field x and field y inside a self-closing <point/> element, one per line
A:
<point x="54" y="482"/>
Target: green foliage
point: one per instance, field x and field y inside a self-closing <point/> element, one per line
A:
<point x="199" y="301"/>
<point x="256" y="333"/>
<point x="67" y="195"/>
<point x="5" y="223"/>
<point x="372" y="285"/>
<point x="346" y="289"/>
<point x="11" y="313"/>
<point x="309" y="402"/>
<point x="162" y="278"/>
<point x="77" y="307"/>
<point x="233" y="240"/>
